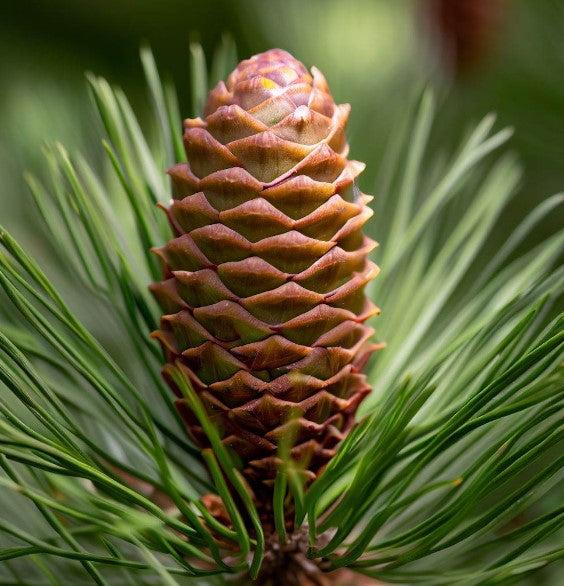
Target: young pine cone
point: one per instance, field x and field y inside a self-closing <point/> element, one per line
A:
<point x="264" y="281"/>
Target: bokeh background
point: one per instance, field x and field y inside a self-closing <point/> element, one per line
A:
<point x="505" y="56"/>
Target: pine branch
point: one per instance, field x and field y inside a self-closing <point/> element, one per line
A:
<point x="460" y="437"/>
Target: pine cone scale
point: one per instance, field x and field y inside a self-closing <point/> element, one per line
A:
<point x="265" y="277"/>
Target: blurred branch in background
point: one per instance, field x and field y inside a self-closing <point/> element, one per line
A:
<point x="465" y="32"/>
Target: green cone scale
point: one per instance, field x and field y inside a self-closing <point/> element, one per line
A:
<point x="264" y="282"/>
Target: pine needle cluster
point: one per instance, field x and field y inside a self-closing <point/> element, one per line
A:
<point x="451" y="474"/>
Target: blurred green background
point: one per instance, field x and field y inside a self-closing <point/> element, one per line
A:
<point x="377" y="55"/>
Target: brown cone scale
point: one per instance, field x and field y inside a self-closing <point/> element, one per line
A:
<point x="264" y="283"/>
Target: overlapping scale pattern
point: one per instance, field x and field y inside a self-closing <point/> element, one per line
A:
<point x="264" y="281"/>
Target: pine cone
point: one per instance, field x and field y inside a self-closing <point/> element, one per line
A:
<point x="264" y="281"/>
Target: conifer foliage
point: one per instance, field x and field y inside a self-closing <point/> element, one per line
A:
<point x="449" y="475"/>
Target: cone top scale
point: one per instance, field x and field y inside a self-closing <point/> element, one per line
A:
<point x="264" y="282"/>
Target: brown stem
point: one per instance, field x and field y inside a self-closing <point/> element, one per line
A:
<point x="286" y="564"/>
